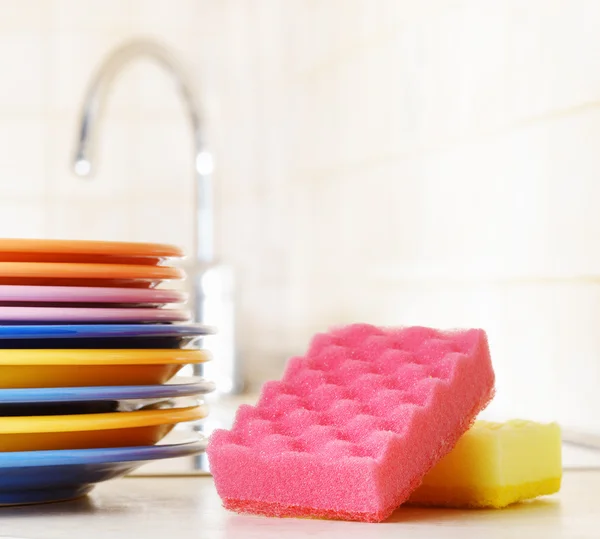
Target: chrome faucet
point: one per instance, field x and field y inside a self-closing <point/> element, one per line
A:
<point x="212" y="300"/>
<point x="203" y="163"/>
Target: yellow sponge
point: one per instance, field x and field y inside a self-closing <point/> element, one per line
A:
<point x="494" y="465"/>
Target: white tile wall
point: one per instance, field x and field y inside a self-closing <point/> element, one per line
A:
<point x="49" y="50"/>
<point x="24" y="160"/>
<point x="98" y="15"/>
<point x="22" y="217"/>
<point x="27" y="15"/>
<point x="387" y="161"/>
<point x="24" y="88"/>
<point x="433" y="155"/>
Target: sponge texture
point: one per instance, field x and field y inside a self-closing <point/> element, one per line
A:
<point x="494" y="465"/>
<point x="354" y="425"/>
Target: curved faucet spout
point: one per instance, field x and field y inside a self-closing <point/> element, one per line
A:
<point x="83" y="162"/>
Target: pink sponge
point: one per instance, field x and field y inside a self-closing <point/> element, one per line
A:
<point x="353" y="426"/>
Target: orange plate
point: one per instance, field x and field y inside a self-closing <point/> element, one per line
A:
<point x="83" y="431"/>
<point x="73" y="274"/>
<point x="113" y="252"/>
<point x="73" y="368"/>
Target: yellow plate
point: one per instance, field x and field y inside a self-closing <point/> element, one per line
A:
<point x="119" y="429"/>
<point x="72" y="367"/>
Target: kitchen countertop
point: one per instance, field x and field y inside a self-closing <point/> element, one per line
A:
<point x="188" y="507"/>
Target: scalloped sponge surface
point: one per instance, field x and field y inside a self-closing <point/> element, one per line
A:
<point x="495" y="465"/>
<point x="353" y="425"/>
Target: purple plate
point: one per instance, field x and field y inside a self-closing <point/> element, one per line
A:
<point x="39" y="295"/>
<point x="79" y="315"/>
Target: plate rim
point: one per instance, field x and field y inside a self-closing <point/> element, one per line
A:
<point x="74" y="271"/>
<point x="43" y="313"/>
<point x="66" y="331"/>
<point x="200" y="386"/>
<point x="101" y="421"/>
<point x="100" y="294"/>
<point x="21" y="357"/>
<point x="133" y="249"/>
<point x="100" y="455"/>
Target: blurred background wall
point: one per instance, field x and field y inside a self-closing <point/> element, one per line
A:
<point x="49" y="50"/>
<point x="396" y="162"/>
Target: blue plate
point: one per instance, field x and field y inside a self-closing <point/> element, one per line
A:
<point x="50" y="476"/>
<point x="111" y="393"/>
<point x="91" y="331"/>
<point x="97" y="400"/>
<point x="103" y="343"/>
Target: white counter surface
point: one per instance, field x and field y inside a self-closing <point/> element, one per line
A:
<point x="188" y="507"/>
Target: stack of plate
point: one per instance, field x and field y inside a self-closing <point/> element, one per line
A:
<point x="89" y="346"/>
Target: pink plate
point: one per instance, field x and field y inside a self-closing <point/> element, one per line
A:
<point x="80" y="294"/>
<point x="83" y="315"/>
